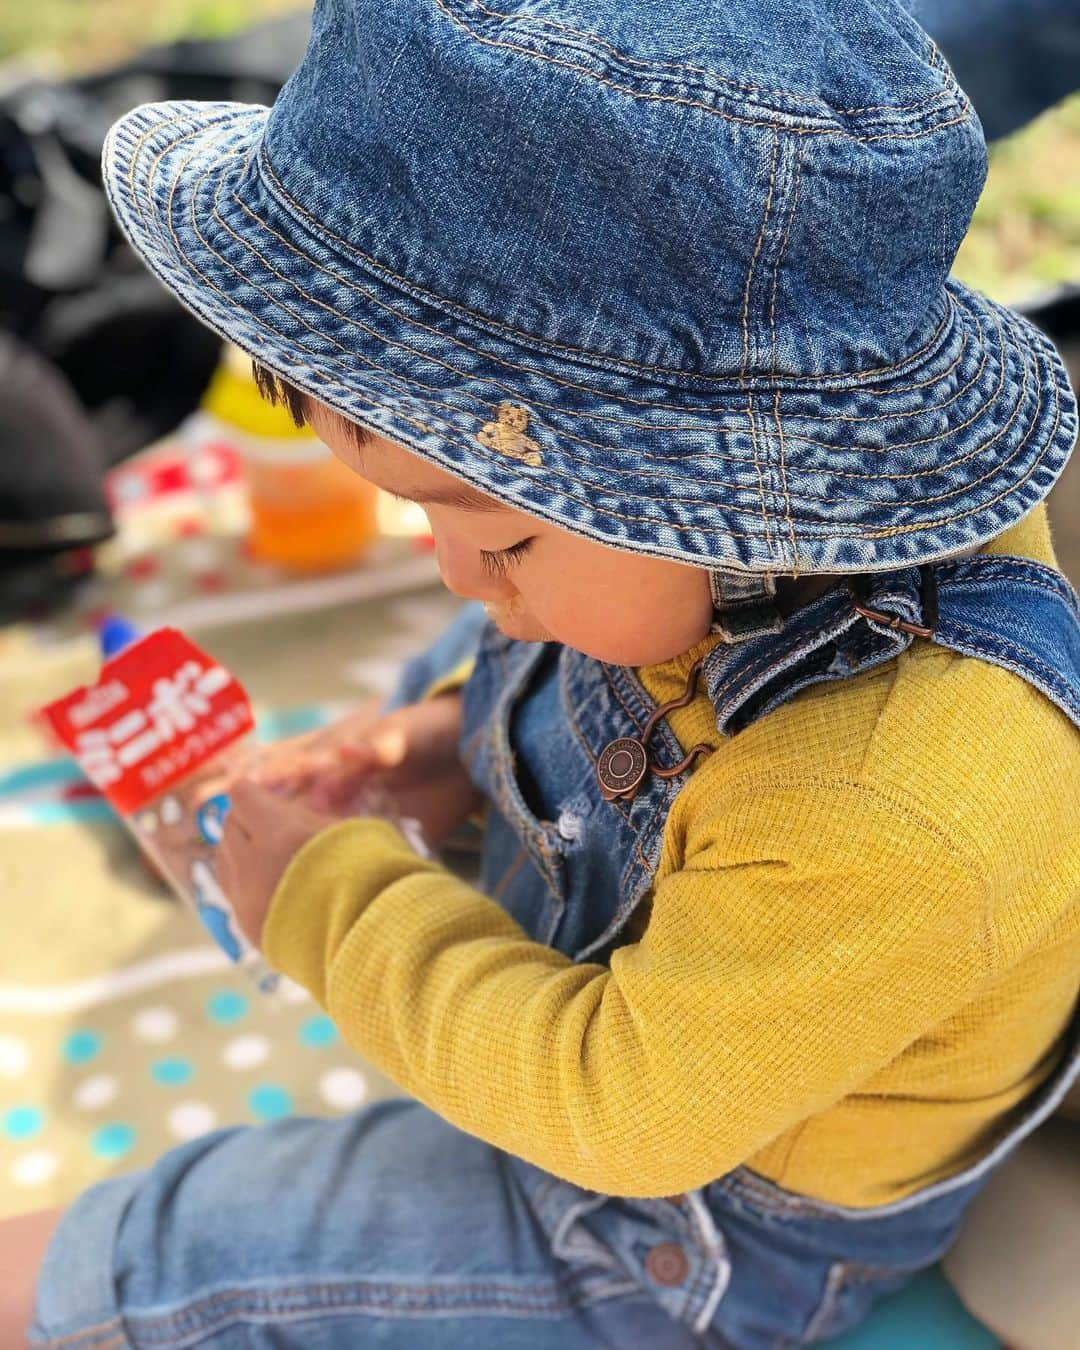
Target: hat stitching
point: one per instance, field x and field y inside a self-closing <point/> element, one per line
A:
<point x="984" y="506"/>
<point x="796" y="566"/>
<point x="619" y="398"/>
<point x="622" y="398"/>
<point x="726" y="79"/>
<point x="766" y="532"/>
<point x="765" y="527"/>
<point x="344" y="281"/>
<point x="903" y="528"/>
<point x="711" y="482"/>
<point x="781" y="119"/>
<point x="796" y="174"/>
<point x="276" y="188"/>
<point x="160" y="124"/>
<point x="770" y="233"/>
<point x="136" y="150"/>
<point x="754" y="257"/>
<point x="562" y="434"/>
<point x="805" y="440"/>
<point x="821" y="531"/>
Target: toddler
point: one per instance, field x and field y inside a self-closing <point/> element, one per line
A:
<point x="769" y="710"/>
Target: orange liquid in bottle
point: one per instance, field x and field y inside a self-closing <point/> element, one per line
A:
<point x="313" y="515"/>
<point x="309" y="513"/>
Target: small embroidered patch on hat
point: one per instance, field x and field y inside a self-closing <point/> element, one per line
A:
<point x="507" y="435"/>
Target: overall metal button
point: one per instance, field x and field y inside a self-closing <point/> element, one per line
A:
<point x="621" y="767"/>
<point x="667" y="1263"/>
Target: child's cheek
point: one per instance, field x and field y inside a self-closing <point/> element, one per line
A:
<point x="635" y="629"/>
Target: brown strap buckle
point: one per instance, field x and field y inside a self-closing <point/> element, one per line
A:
<point x="928" y="597"/>
<point x="624" y="762"/>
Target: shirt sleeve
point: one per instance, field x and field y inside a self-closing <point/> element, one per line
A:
<point x="808" y="936"/>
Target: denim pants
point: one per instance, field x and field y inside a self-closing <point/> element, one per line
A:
<point x="390" y="1227"/>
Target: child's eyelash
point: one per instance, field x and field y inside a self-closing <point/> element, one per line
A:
<point x="497" y="564"/>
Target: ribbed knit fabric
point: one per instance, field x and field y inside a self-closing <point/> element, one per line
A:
<point x="861" y="949"/>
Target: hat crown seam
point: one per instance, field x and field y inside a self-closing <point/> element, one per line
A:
<point x="808" y="114"/>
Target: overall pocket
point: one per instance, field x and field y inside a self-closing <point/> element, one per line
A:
<point x="523" y="866"/>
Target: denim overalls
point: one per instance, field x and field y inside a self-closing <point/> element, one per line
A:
<point x="766" y="1267"/>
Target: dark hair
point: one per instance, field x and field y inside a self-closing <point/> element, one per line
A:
<point x="278" y="391"/>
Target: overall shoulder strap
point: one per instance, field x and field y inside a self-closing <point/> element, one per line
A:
<point x="1011" y="611"/>
<point x="1017" y="613"/>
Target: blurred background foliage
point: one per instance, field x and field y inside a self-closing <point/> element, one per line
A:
<point x="78" y="35"/>
<point x="1025" y="237"/>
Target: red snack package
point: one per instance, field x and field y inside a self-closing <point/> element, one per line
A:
<point x="160" y="734"/>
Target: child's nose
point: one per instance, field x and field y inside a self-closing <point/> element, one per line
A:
<point x="466" y="577"/>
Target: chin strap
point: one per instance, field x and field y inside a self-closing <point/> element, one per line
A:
<point x="744" y="604"/>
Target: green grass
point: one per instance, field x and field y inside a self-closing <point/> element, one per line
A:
<point x="1024" y="238"/>
<point x="79" y="34"/>
<point x="1026" y="232"/>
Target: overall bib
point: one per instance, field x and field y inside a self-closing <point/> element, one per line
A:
<point x="756" y="1265"/>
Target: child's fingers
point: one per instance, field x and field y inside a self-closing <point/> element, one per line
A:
<point x="275" y="770"/>
<point x="252" y="803"/>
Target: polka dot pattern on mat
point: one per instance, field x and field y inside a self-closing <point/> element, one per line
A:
<point x="22" y="1122"/>
<point x="155" y="1026"/>
<point x="172" y="1072"/>
<point x="34" y="1169"/>
<point x="226" y="1006"/>
<point x="188" y="1120"/>
<point x="246" y="1052"/>
<point x="96" y="1092"/>
<point x="115" y="1140"/>
<point x="343" y="1089"/>
<point x="112" y="1141"/>
<point x="318" y="1031"/>
<point x="269" y="1101"/>
<point x="14" y="1056"/>
<point x="82" y="1046"/>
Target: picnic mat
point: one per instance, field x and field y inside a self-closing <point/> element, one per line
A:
<point x="123" y="1028"/>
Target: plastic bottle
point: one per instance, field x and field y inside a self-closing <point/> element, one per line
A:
<point x="309" y="513"/>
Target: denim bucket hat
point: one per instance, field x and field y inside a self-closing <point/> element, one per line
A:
<point x="673" y="276"/>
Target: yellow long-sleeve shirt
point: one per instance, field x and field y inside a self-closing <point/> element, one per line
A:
<point x="861" y="948"/>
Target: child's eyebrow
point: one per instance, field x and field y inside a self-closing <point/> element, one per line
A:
<point x="464" y="498"/>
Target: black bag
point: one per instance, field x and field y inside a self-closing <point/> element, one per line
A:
<point x="69" y="284"/>
<point x="97" y="360"/>
<point x="52" y="502"/>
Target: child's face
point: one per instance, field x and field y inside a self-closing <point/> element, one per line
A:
<point x="538" y="582"/>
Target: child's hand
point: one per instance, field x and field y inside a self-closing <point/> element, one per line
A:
<point x="263" y="832"/>
<point x="411" y="754"/>
<point x="295" y="766"/>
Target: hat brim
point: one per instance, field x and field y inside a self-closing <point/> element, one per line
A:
<point x="860" y="472"/>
